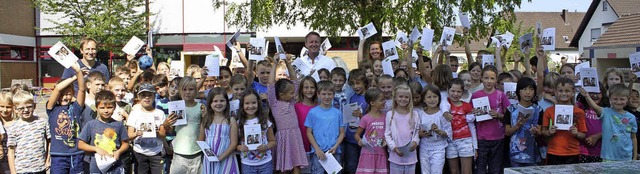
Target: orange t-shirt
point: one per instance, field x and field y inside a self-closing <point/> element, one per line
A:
<point x="563" y="143"/>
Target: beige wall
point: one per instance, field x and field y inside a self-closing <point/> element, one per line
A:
<point x="349" y="57"/>
<point x="17" y="18"/>
<point x="17" y="70"/>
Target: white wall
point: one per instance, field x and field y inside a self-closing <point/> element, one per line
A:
<point x="596" y="21"/>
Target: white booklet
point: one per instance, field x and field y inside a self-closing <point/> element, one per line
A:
<point x="104" y="162"/>
<point x="387" y="68"/>
<point x="347" y="114"/>
<point x="487" y="59"/>
<point x="233" y="108"/>
<point x="147" y="126"/>
<point x="415" y="34"/>
<point x="208" y="153"/>
<point x="401" y="39"/>
<point x="231" y="43"/>
<point x="548" y="41"/>
<point x="634" y="59"/>
<point x="427" y="39"/>
<point x="539" y="30"/>
<point x="525" y="113"/>
<point x="177" y="68"/>
<point x="507" y="38"/>
<point x="133" y="45"/>
<point x="481" y="108"/>
<point x="63" y="55"/>
<point x="150" y="38"/>
<point x="589" y="78"/>
<point x="257" y="49"/>
<point x="577" y="72"/>
<point x="304" y="52"/>
<point x="447" y="36"/>
<point x="390" y="51"/>
<point x="563" y="117"/>
<point x="279" y="48"/>
<point x="464" y="19"/>
<point x="330" y="164"/>
<point x="178" y="107"/>
<point x="510" y="91"/>
<point x="325" y="46"/>
<point x="212" y="62"/>
<point x="252" y="136"/>
<point x="526" y="42"/>
<point x="366" y="31"/>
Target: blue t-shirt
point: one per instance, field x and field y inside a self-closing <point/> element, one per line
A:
<point x="523" y="148"/>
<point x="64" y="121"/>
<point x="350" y="133"/>
<point x="88" y="114"/>
<point x="326" y="124"/>
<point x="70" y="72"/>
<point x="162" y="104"/>
<point x="616" y="128"/>
<point x="261" y="89"/>
<point x="107" y="136"/>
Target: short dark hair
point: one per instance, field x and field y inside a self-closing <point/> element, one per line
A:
<point x="339" y="71"/>
<point x="325" y="85"/>
<point x="160" y="80"/>
<point x="311" y="33"/>
<point x="105" y="97"/>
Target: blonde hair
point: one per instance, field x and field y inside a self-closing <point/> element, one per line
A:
<point x="185" y="82"/>
<point x="410" y="105"/>
<point x="164" y="64"/>
<point x="115" y="81"/>
<point x="6" y="97"/>
<point x="615" y="71"/>
<point x="22" y="97"/>
<point x="193" y="68"/>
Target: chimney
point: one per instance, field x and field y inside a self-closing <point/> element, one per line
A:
<point x="564" y="15"/>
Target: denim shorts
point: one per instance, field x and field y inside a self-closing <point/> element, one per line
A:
<point x="266" y="168"/>
<point x="460" y="148"/>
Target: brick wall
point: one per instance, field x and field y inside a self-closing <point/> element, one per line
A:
<point x="17" y="70"/>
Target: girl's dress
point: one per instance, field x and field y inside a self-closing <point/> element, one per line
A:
<point x="218" y="140"/>
<point x="289" y="152"/>
<point x="373" y="157"/>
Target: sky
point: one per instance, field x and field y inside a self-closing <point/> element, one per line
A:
<point x="554" y="5"/>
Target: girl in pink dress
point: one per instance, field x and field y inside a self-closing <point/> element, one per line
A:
<point x="290" y="154"/>
<point x="373" y="158"/>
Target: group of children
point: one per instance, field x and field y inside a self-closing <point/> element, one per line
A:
<point x="420" y="120"/>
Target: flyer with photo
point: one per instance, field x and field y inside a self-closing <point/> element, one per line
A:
<point x="481" y="108"/>
<point x="147" y="126"/>
<point x="253" y="136"/>
<point x="427" y="39"/>
<point x="563" y="118"/>
<point x="526" y="42"/>
<point x="390" y="52"/>
<point x="325" y="46"/>
<point x="231" y="43"/>
<point x="510" y="91"/>
<point x="133" y="46"/>
<point x="634" y="59"/>
<point x="347" y="114"/>
<point x="589" y="78"/>
<point x="279" y="48"/>
<point x="179" y="108"/>
<point x="177" y="68"/>
<point x="487" y="59"/>
<point x="63" y="55"/>
<point x="401" y="39"/>
<point x="548" y="40"/>
<point x="209" y="156"/>
<point x="464" y="19"/>
<point x="367" y="31"/>
<point x="257" y="49"/>
<point x="447" y="37"/>
<point x="387" y="68"/>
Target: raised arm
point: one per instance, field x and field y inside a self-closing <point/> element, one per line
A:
<point x="590" y="101"/>
<point x="498" y="57"/>
<point x="467" y="48"/>
<point x="409" y="59"/>
<point x="527" y="65"/>
<point x="542" y="59"/>
<point x="272" y="76"/>
<point x="55" y="94"/>
<point x="243" y="59"/>
<point x="361" y="50"/>
<point x="249" y="73"/>
<point x="292" y="73"/>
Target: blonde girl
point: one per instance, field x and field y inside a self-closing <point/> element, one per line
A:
<point x="401" y="132"/>
<point x="187" y="156"/>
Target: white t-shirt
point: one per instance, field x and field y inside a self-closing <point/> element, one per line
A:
<point x="146" y="146"/>
<point x="255" y="157"/>
<point x="304" y="65"/>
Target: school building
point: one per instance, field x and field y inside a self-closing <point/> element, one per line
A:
<point x="17" y="42"/>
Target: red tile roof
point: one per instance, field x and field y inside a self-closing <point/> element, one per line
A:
<point x="624" y="31"/>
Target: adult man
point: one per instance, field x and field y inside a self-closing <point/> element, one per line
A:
<point x="88" y="63"/>
<point x="310" y="64"/>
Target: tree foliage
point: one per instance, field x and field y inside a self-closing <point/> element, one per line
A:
<point x="111" y="22"/>
<point x="334" y="17"/>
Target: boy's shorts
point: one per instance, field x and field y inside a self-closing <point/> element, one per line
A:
<point x="460" y="148"/>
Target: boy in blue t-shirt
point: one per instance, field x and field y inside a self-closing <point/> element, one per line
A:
<point x="104" y="137"/>
<point x="64" y="120"/>
<point x="359" y="83"/>
<point x="619" y="127"/>
<point x="324" y="128"/>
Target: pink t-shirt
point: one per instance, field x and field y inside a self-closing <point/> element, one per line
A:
<point x="594" y="126"/>
<point x="492" y="129"/>
<point x="301" y="111"/>
<point x="374" y="133"/>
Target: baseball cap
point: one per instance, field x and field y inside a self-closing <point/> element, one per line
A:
<point x="146" y="87"/>
<point x="145" y="62"/>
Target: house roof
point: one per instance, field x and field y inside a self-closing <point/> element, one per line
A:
<point x="548" y="20"/>
<point x="620" y="7"/>
<point x="624" y="31"/>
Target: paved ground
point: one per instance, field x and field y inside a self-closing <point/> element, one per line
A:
<point x="41" y="107"/>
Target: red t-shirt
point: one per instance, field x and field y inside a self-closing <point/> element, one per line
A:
<point x="563" y="143"/>
<point x="459" y="124"/>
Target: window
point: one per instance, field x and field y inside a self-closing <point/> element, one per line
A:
<point x="17" y="53"/>
<point x="605" y="6"/>
<point x="595" y="34"/>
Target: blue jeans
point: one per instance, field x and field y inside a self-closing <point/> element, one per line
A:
<point x="517" y="164"/>
<point x="316" y="167"/>
<point x="266" y="168"/>
<point x="351" y="153"/>
<point x="67" y="164"/>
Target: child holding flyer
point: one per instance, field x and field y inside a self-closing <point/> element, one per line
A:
<point x="616" y="125"/>
<point x="463" y="145"/>
<point x="435" y="132"/>
<point x="373" y="159"/>
<point x="491" y="132"/>
<point x="522" y="126"/>
<point x="564" y="145"/>
<point x="220" y="131"/>
<point x="64" y="118"/>
<point x="104" y="136"/>
<point x="325" y="128"/>
<point x="401" y="132"/>
<point x="359" y="83"/>
<point x="28" y="137"/>
<point x="258" y="160"/>
<point x="187" y="155"/>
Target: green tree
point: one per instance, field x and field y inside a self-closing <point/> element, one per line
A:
<point x="336" y="16"/>
<point x="111" y="22"/>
